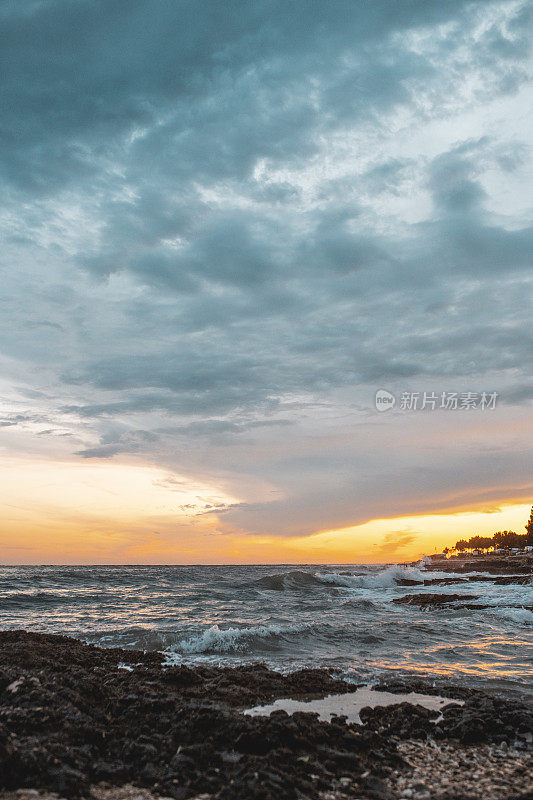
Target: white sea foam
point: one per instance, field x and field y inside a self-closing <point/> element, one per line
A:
<point x="521" y="616"/>
<point x="384" y="579"/>
<point x="228" y="640"/>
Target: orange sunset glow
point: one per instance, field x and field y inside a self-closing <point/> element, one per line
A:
<point x="123" y="513"/>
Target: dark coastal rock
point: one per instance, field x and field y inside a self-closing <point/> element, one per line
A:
<point x="433" y="600"/>
<point x="455" y="601"/>
<point x="404" y="720"/>
<point x="423" y="687"/>
<point x="507" y="580"/>
<point x="496" y="565"/>
<point x="501" y="580"/>
<point x="374" y="788"/>
<point x="481" y="718"/>
<point x="409" y="582"/>
<point x="484" y="718"/>
<point x="71" y="717"/>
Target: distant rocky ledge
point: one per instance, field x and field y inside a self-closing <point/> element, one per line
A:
<point x="521" y="564"/>
<point x="499" y="571"/>
<point x="78" y="720"/>
<point x="448" y="600"/>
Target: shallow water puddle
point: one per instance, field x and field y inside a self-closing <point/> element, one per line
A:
<point x="349" y="705"/>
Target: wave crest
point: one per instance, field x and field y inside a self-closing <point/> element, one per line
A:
<point x="233" y="640"/>
<point x="519" y="615"/>
<point x="295" y="579"/>
<point x="384" y="579"/>
<point x="388" y="578"/>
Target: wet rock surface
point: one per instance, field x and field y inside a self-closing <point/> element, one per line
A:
<point x="72" y="718"/>
<point x="456" y="601"/>
<point x="497" y="580"/>
<point x="481" y="717"/>
<point x="424" y="600"/>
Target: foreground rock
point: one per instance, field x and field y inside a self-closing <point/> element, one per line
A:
<point x="481" y="718"/>
<point x="74" y="722"/>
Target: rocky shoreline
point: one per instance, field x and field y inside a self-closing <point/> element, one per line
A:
<point x="495" y="565"/>
<point x="507" y="571"/>
<point x="76" y="719"/>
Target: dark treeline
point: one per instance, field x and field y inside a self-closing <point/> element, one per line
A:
<point x="501" y="539"/>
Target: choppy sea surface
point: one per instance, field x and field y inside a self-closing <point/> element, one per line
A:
<point x="286" y="616"/>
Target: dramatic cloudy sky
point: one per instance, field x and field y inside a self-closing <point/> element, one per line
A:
<point x="225" y="226"/>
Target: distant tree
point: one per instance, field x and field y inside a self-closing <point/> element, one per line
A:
<point x="503" y="539"/>
<point x="446" y="550"/>
<point x="480" y="543"/>
<point x="485" y="542"/>
<point x="501" y="536"/>
<point x="529" y="529"/>
<point x="509" y="539"/>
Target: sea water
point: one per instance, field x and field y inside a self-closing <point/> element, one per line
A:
<point x="289" y="617"/>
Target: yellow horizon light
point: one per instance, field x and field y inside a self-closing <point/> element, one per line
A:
<point x="74" y="512"/>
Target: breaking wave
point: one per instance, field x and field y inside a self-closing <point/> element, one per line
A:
<point x="388" y="578"/>
<point x="231" y="640"/>
<point x="522" y="616"/>
<point x="295" y="579"/>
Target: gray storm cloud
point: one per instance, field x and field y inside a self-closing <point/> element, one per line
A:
<point x="226" y="225"/>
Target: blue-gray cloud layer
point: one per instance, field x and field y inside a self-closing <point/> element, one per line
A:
<point x="222" y="219"/>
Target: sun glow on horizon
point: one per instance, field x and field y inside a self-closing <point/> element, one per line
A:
<point x="94" y="512"/>
<point x="411" y="537"/>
